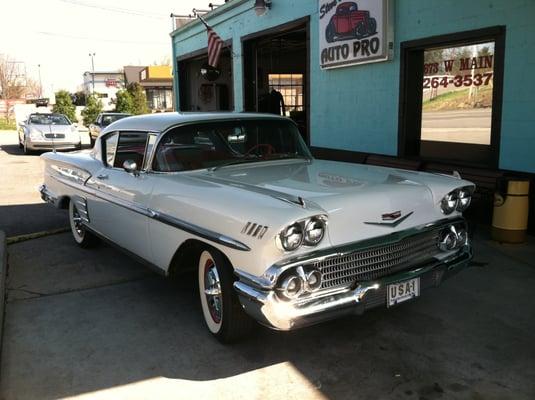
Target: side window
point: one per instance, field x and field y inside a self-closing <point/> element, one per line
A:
<point x="131" y="147"/>
<point x="109" y="148"/>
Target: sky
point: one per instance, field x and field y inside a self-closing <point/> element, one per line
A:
<point x="60" y="34"/>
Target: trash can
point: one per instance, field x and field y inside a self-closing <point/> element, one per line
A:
<point x="510" y="217"/>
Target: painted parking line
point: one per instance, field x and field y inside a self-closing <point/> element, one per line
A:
<point x="35" y="235"/>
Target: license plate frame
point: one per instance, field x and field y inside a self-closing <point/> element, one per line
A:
<point x="399" y="292"/>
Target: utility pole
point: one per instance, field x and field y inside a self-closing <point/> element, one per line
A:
<point x="92" y="55"/>
<point x="40" y="83"/>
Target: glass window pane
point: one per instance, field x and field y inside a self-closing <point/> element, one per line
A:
<point x="457" y="94"/>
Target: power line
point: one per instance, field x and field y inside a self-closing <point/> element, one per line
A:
<point x="119" y="10"/>
<point x="100" y="39"/>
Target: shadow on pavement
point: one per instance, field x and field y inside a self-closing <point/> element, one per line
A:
<point x="461" y="340"/>
<point x="21" y="219"/>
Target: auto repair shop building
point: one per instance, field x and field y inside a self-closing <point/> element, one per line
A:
<point x="424" y="84"/>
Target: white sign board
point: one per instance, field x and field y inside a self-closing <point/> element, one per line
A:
<point x="355" y="32"/>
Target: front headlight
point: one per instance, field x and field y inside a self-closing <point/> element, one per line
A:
<point x="36" y="134"/>
<point x="307" y="232"/>
<point x="314" y="231"/>
<point x="292" y="237"/>
<point x="458" y="199"/>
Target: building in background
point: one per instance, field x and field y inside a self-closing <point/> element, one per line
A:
<point x="419" y="84"/>
<point x="107" y="84"/>
<point x="157" y="80"/>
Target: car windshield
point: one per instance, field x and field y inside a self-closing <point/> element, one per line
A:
<point x="49" y="119"/>
<point x="108" y="119"/>
<point x="219" y="144"/>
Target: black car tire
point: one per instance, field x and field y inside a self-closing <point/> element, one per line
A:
<point x="27" y="151"/>
<point x="360" y="30"/>
<point x="372" y="26"/>
<point x="81" y="235"/>
<point x="330" y="32"/>
<point x="223" y="313"/>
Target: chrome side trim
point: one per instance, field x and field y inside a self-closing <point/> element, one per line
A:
<point x="161" y="217"/>
<point x="197" y="230"/>
<point x="270" y="277"/>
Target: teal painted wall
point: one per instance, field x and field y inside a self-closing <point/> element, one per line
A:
<point x="356" y="108"/>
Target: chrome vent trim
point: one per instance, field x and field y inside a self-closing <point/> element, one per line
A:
<point x="255" y="230"/>
<point x="377" y="262"/>
<point x="81" y="205"/>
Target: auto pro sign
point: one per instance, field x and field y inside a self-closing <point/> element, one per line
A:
<point x="354" y="32"/>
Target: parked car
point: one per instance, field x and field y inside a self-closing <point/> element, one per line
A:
<point x="274" y="234"/>
<point x="349" y="22"/>
<point x="48" y="131"/>
<point x="102" y="121"/>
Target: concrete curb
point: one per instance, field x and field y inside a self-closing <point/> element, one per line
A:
<point x="3" y="275"/>
<point x="35" y="235"/>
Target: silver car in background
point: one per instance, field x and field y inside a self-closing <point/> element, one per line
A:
<point x="48" y="131"/>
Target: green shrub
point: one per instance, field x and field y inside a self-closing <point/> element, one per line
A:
<point x="64" y="105"/>
<point x="92" y="109"/>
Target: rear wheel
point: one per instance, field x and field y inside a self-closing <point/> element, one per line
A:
<point x="222" y="311"/>
<point x="81" y="235"/>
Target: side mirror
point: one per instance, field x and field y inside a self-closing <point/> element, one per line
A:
<point x="130" y="167"/>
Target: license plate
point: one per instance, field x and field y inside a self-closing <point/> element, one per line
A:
<point x="403" y="291"/>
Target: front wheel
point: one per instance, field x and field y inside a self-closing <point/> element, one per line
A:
<point x="222" y="311"/>
<point x="27" y="151"/>
<point x="79" y="232"/>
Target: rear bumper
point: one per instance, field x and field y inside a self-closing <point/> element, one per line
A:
<point x="267" y="308"/>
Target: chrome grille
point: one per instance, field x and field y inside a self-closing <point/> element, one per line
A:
<point x="55" y="135"/>
<point x="377" y="262"/>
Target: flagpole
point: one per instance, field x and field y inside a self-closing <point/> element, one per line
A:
<point x="209" y="27"/>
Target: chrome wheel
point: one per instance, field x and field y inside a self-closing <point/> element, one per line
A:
<point x="212" y="291"/>
<point x="77" y="226"/>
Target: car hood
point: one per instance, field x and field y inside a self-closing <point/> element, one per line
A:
<point x="351" y="195"/>
<point x="65" y="129"/>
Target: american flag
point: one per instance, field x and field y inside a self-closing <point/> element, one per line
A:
<point x="215" y="44"/>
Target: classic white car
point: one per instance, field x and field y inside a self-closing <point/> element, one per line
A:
<point x="274" y="234"/>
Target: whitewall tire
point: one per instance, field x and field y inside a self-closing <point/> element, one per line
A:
<point x="81" y="235"/>
<point x="222" y="311"/>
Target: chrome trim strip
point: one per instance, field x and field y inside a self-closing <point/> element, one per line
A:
<point x="164" y="218"/>
<point x="197" y="230"/>
<point x="270" y="277"/>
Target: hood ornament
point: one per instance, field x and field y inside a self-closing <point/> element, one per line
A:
<point x="392" y="219"/>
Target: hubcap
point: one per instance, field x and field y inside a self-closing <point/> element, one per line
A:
<point x="212" y="291"/>
<point x="77" y="220"/>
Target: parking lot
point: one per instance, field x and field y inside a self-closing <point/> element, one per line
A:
<point x="96" y="324"/>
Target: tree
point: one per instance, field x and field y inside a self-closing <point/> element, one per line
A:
<point x="64" y="105"/>
<point x="92" y="109"/>
<point x="79" y="98"/>
<point x="12" y="80"/>
<point x="124" y="102"/>
<point x="139" y="99"/>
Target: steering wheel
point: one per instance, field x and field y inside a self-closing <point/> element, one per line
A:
<point x="269" y="149"/>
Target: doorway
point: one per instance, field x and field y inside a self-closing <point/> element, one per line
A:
<point x="276" y="73"/>
<point x="197" y="93"/>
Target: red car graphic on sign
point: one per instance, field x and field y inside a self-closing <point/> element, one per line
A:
<point x="350" y="23"/>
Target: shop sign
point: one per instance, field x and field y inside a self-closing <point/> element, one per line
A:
<point x="111" y="82"/>
<point x="355" y="32"/>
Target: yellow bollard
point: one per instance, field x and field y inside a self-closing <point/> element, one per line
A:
<point x="510" y="218"/>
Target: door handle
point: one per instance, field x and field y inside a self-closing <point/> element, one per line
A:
<point x="102" y="177"/>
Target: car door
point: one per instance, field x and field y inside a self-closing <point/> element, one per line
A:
<point x="118" y="209"/>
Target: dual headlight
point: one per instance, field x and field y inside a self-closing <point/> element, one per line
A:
<point x="458" y="200"/>
<point x="453" y="237"/>
<point x="309" y="232"/>
<point x="299" y="282"/>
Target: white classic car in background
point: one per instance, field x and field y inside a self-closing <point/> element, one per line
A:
<point x="274" y="234"/>
<point x="48" y="131"/>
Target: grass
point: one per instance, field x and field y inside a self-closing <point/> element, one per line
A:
<point x="7" y="124"/>
<point x="458" y="100"/>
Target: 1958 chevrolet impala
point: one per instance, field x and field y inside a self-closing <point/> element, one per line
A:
<point x="274" y="234"/>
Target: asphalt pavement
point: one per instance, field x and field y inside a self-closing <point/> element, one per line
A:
<point x="93" y="323"/>
<point x="463" y="126"/>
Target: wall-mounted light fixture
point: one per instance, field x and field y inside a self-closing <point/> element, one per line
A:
<point x="261" y="7"/>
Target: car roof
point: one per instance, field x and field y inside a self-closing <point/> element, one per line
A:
<point x="160" y="122"/>
<point x="114" y="113"/>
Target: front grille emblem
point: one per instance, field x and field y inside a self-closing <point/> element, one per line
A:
<point x="392" y="219"/>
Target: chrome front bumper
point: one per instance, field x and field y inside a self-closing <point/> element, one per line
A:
<point x="49" y="145"/>
<point x="266" y="307"/>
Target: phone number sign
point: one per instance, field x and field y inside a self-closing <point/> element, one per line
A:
<point x="355" y="32"/>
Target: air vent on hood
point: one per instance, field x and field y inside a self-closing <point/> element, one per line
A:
<point x="254" y="230"/>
